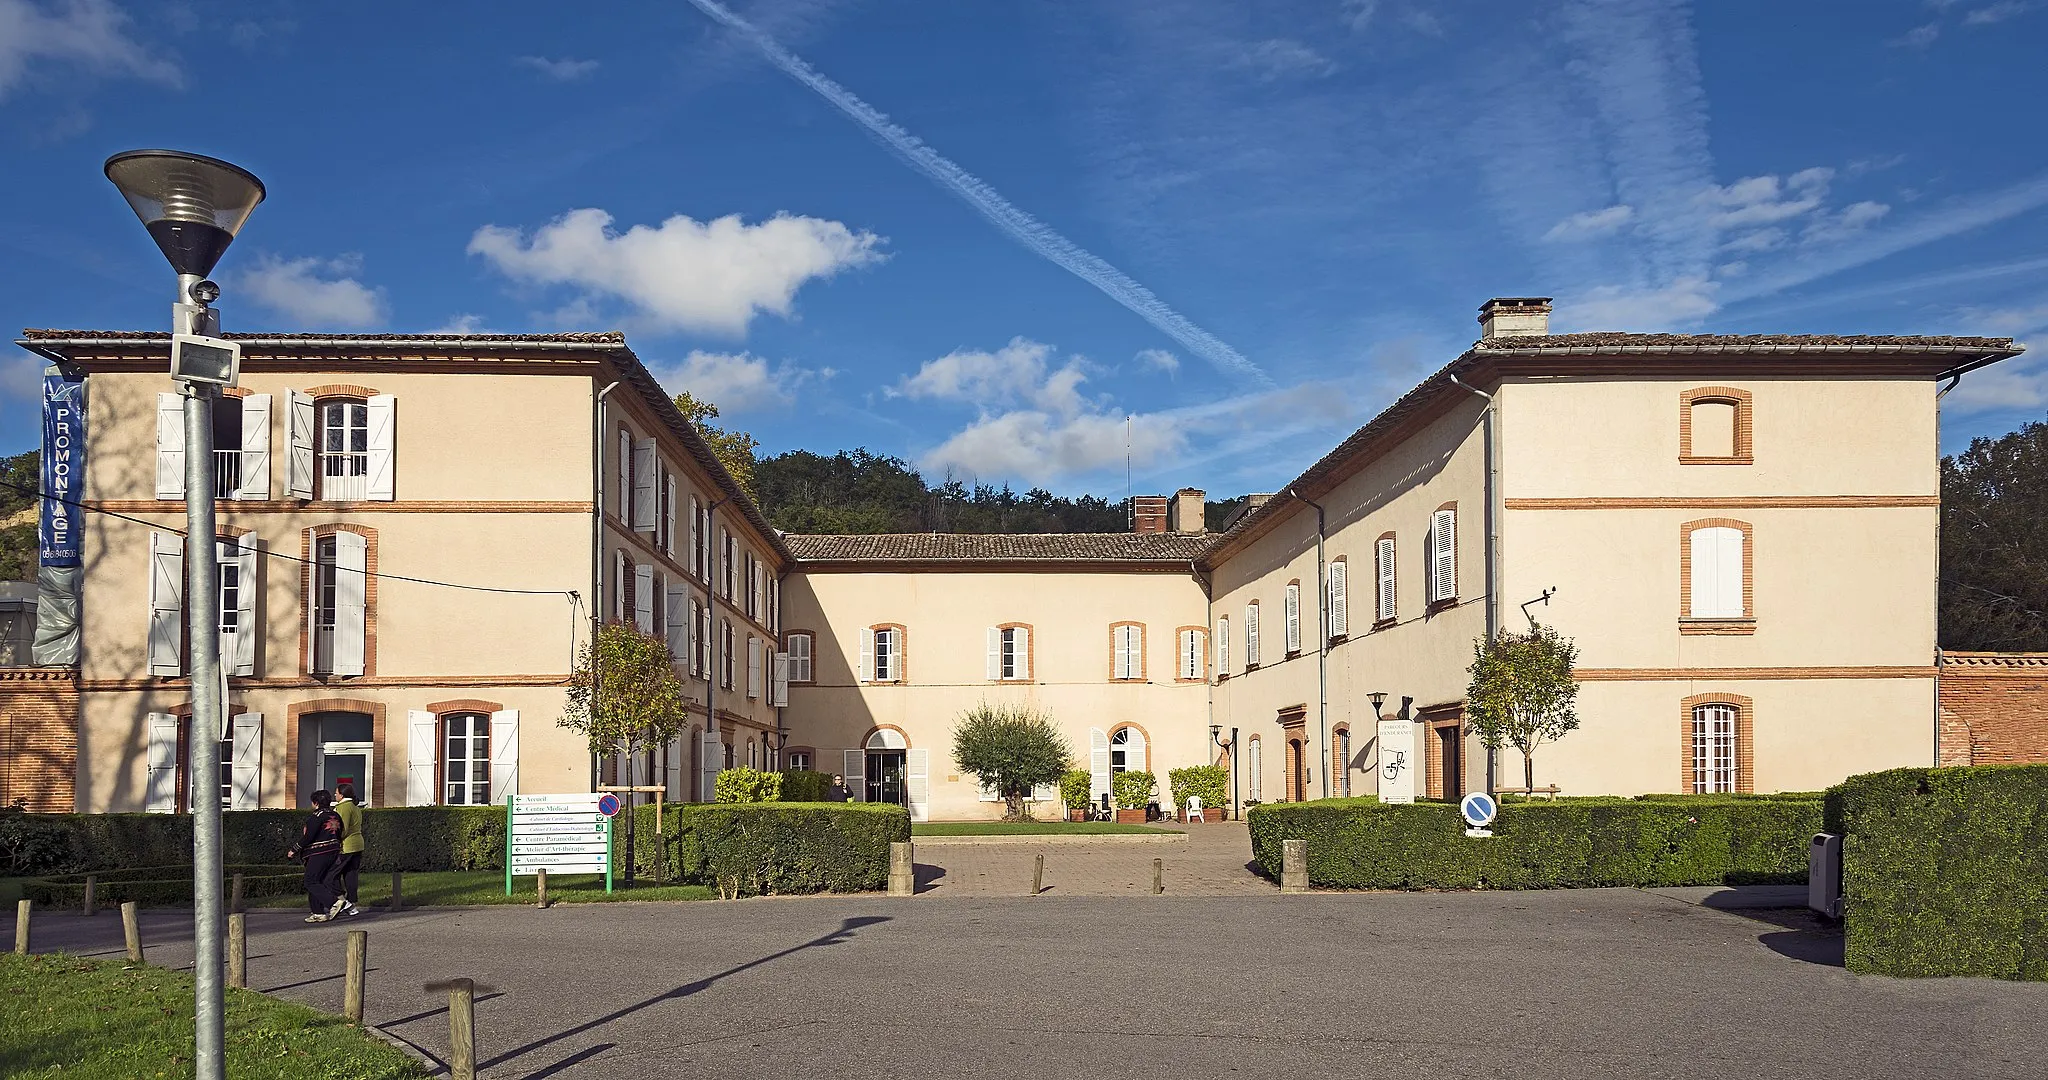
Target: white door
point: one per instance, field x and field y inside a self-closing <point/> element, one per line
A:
<point x="350" y="761"/>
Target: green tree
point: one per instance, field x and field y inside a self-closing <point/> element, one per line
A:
<point x="1522" y="692"/>
<point x="733" y="448"/>
<point x="624" y="694"/>
<point x="1011" y="748"/>
<point x="20" y="478"/>
<point x="1994" y="552"/>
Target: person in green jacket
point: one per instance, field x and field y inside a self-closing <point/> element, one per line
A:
<point x="351" y="863"/>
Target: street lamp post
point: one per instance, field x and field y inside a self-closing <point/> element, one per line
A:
<point x="193" y="206"/>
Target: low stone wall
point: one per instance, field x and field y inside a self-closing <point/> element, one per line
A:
<point x="39" y="738"/>
<point x="1994" y="709"/>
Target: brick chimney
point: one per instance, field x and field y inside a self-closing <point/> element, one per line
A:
<point x="1148" y="514"/>
<point x="1189" y="511"/>
<point x="1515" y="316"/>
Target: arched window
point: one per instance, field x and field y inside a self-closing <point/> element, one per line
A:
<point x="1714" y="748"/>
<point x="344" y="448"/>
<point x="1127" y="751"/>
<point x="1340" y="767"/>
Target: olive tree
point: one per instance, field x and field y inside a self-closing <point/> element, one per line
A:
<point x="1011" y="748"/>
<point x="1522" y="692"/>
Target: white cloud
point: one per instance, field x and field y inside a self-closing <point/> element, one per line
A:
<point x="682" y="274"/>
<point x="1765" y="200"/>
<point x="1918" y="37"/>
<point x="1592" y="223"/>
<point x="1282" y="58"/>
<point x="1037" y="447"/>
<point x="1760" y="240"/>
<point x="1996" y="13"/>
<point x="92" y="34"/>
<point x="735" y="382"/>
<point x="21" y="375"/>
<point x="2017" y="385"/>
<point x="462" y="324"/>
<point x="1017" y="373"/>
<point x="1613" y="307"/>
<point x="1853" y="219"/>
<point x="313" y="291"/>
<point x="566" y="69"/>
<point x="1159" y="360"/>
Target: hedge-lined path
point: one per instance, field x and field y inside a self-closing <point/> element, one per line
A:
<point x="1213" y="861"/>
<point x="1565" y="984"/>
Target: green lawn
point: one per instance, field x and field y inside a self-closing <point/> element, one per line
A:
<point x="460" y="888"/>
<point x="61" y="1016"/>
<point x="1024" y="828"/>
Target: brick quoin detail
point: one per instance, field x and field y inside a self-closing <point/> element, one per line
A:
<point x="1994" y="709"/>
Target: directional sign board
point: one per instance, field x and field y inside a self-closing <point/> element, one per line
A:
<point x="562" y="834"/>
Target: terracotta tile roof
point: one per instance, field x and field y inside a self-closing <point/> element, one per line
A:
<point x="998" y="547"/>
<point x="1732" y="342"/>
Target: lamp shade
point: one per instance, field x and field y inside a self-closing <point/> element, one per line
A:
<point x="192" y="205"/>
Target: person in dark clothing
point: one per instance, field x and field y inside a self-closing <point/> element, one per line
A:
<point x="319" y="844"/>
<point x="837" y="791"/>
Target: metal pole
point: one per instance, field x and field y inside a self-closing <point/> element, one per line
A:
<point x="202" y="606"/>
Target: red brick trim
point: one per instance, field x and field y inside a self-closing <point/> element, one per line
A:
<point x="1436" y="718"/>
<point x="1687" y="623"/>
<point x="311" y="538"/>
<point x="1142" y="732"/>
<point x="902" y="673"/>
<point x="324" y="705"/>
<point x="1144" y="648"/>
<point x="1745" y="738"/>
<point x="1030" y="651"/>
<point x="1201" y="650"/>
<point x="339" y="390"/>
<point x="1721" y="395"/>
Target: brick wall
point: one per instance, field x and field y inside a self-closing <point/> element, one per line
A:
<point x="39" y="738"/>
<point x="1994" y="708"/>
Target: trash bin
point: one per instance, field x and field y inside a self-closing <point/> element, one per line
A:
<point x="1824" y="875"/>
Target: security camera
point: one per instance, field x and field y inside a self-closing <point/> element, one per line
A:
<point x="204" y="292"/>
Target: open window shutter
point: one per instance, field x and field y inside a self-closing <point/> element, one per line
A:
<point x="1098" y="764"/>
<point x="351" y="567"/>
<point x="421" y="736"/>
<point x="1443" y="556"/>
<point x="383" y="416"/>
<point x="643" y="485"/>
<point x="1190" y="655"/>
<point x="704" y="640"/>
<point x="1386" y="579"/>
<point x="867" y="656"/>
<point x="246" y="630"/>
<point x="162" y="788"/>
<point x="855" y="771"/>
<point x="1293" y="616"/>
<point x="779" y="684"/>
<point x="1251" y="633"/>
<point x="995" y="653"/>
<point x="668" y="510"/>
<point x="166" y="604"/>
<point x="504" y="754"/>
<point x="678" y="623"/>
<point x="1730" y="555"/>
<point x="917" y="782"/>
<point x="299" y="421"/>
<point x="619" y="585"/>
<point x="753" y="666"/>
<point x="170" y="446"/>
<point x="247" y="771"/>
<point x="1340" y="618"/>
<point x="625" y="475"/>
<point x="643" y="597"/>
<point x="1223" y="646"/>
<point x="710" y="759"/>
<point x="1023" y="637"/>
<point x="255" y="479"/>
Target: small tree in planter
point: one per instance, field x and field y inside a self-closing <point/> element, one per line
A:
<point x="1522" y="692"/>
<point x="1011" y="748"/>
<point x="1133" y="790"/>
<point x="1076" y="791"/>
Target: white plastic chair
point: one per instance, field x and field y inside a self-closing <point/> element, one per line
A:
<point x="1194" y="811"/>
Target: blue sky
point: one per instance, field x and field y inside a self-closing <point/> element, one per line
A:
<point x="979" y="236"/>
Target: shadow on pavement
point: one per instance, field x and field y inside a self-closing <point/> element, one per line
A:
<point x="926" y="873"/>
<point x="1823" y="947"/>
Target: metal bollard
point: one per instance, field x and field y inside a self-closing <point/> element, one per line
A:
<point x="1158" y="876"/>
<point x="462" y="1030"/>
<point x="238" y="951"/>
<point x="1293" y="866"/>
<point x="235" y="895"/>
<point x="352" y="982"/>
<point x="902" y="869"/>
<point x="540" y="882"/>
<point x="92" y="899"/>
<point x="1038" y="876"/>
<point x="21" y="928"/>
<point x="132" y="932"/>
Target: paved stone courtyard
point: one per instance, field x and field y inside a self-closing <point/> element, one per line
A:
<point x="1591" y="983"/>
<point x="1205" y="860"/>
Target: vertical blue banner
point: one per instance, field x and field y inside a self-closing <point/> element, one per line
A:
<point x="63" y="478"/>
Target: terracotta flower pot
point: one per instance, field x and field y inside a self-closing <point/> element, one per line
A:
<point x="1131" y="817"/>
<point x="1076" y="814"/>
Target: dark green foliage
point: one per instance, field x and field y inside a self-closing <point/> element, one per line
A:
<point x="1580" y="843"/>
<point x="18" y="540"/>
<point x="1945" y="871"/>
<point x="397" y="838"/>
<point x="433" y="838"/>
<point x="767" y="849"/>
<point x="1994" y="553"/>
<point x="804" y="785"/>
<point x="1133" y="789"/>
<point x="1012" y="749"/>
<point x="157" y="886"/>
<point x="1211" y="782"/>
<point x="1076" y="788"/>
<point x="741" y="784"/>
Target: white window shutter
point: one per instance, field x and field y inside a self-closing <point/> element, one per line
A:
<point x="1098" y="764"/>
<point x="643" y="485"/>
<point x="1023" y="645"/>
<point x="243" y="660"/>
<point x="1190" y="655"/>
<point x="1223" y="646"/>
<point x="1293" y="618"/>
<point x="854" y="771"/>
<point x="703" y="642"/>
<point x="504" y="754"/>
<point x="753" y="666"/>
<point x="625" y="507"/>
<point x="619" y="585"/>
<point x="1251" y="634"/>
<point x="668" y="523"/>
<point x="995" y="653"/>
<point x="383" y="417"/>
<point x="779" y="685"/>
<point x="696" y="538"/>
<point x="677" y="623"/>
<point x="246" y="772"/>
<point x="1730" y="556"/>
<point x="1340" y="618"/>
<point x="351" y="569"/>
<point x="643" y="597"/>
<point x="299" y="422"/>
<point x="800" y="657"/>
<point x="162" y="784"/>
<point x="422" y="736"/>
<point x="1385" y="570"/>
<point x="1443" y="556"/>
<point x="867" y="656"/>
<point x="170" y="446"/>
<point x="166" y="604"/>
<point x="254" y="483"/>
<point x="710" y="759"/>
<point x="917" y="782"/>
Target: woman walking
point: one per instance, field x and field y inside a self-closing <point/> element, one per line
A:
<point x="319" y="844"/>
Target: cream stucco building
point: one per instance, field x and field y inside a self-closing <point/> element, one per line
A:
<point x="1739" y="532"/>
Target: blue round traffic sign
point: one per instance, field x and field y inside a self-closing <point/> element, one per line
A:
<point x="1478" y="809"/>
<point x="608" y="804"/>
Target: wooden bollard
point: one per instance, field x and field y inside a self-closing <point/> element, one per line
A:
<point x="92" y="898"/>
<point x="1158" y="876"/>
<point x="131" y="931"/>
<point x="540" y="883"/>
<point x="352" y="981"/>
<point x="1038" y="876"/>
<point x="902" y="869"/>
<point x="397" y="892"/>
<point x="238" y="950"/>
<point x="1293" y="866"/>
<point x="462" y="1030"/>
<point x="235" y="895"/>
<point x="21" y="928"/>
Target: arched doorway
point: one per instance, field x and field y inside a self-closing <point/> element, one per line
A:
<point x="1127" y="750"/>
<point x="886" y="753"/>
<point x="1297" y="772"/>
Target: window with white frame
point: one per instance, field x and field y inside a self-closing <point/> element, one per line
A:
<point x="882" y="654"/>
<point x="1291" y="609"/>
<point x="1222" y="646"/>
<point x="1383" y="559"/>
<point x="1716" y="557"/>
<point x="344" y="449"/>
<point x="1190" y="654"/>
<point x="1443" y="556"/>
<point x="466" y="759"/>
<point x="1334" y="595"/>
<point x="1713" y="748"/>
<point x="1255" y="770"/>
<point x="1251" y="635"/>
<point x="800" y="760"/>
<point x="337" y="607"/>
<point x="799" y="648"/>
<point x="1009" y="653"/>
<point x="1127" y="652"/>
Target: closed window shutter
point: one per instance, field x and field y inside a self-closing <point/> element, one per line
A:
<point x="1251" y="634"/>
<point x="383" y="417"/>
<point x="1190" y="654"/>
<point x="643" y="485"/>
<point x="504" y="755"/>
<point x="1223" y="646"/>
<point x="1717" y="564"/>
<point x="1730" y="556"/>
<point x="245" y="771"/>
<point x="917" y="783"/>
<point x="1293" y="613"/>
<point x="854" y="772"/>
<point x="1385" y="571"/>
<point x="1098" y="765"/>
<point x="1340" y="618"/>
<point x="351" y="567"/>
<point x="170" y="446"/>
<point x="677" y="623"/>
<point x="166" y="604"/>
<point x="619" y="585"/>
<point x="421" y="737"/>
<point x="299" y="424"/>
<point x="668" y="514"/>
<point x="254" y="481"/>
<point x="1443" y="556"/>
<point x="753" y="666"/>
<point x="643" y="597"/>
<point x="995" y="653"/>
<point x="243" y="658"/>
<point x="696" y="538"/>
<point x="801" y="646"/>
<point x="778" y="683"/>
<point x="1021" y="642"/>
<point x="161" y="790"/>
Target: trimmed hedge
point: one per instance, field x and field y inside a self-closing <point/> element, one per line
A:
<point x="160" y="885"/>
<point x="396" y="838"/>
<point x="1945" y="871"/>
<point x="767" y="849"/>
<point x="804" y="785"/>
<point x="1211" y="782"/>
<point x="1361" y="843"/>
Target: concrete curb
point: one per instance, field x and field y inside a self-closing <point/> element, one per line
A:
<point x="1052" y="838"/>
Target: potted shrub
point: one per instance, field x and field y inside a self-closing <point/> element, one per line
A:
<point x="1133" y="790"/>
<point x="1210" y="782"/>
<point x="1075" y="788"/>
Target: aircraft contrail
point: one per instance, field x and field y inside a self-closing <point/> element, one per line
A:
<point x="1022" y="227"/>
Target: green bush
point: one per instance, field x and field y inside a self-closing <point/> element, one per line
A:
<point x="1210" y="782"/>
<point x="396" y="838"/>
<point x="160" y="885"/>
<point x="744" y="785"/>
<point x="759" y="849"/>
<point x="1077" y="789"/>
<point x="803" y="785"/>
<point x="1133" y="789"/>
<point x="1945" y="871"/>
<point x="1697" y="840"/>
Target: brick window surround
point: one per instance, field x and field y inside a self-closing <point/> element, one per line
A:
<point x="183" y="712"/>
<point x="381" y="792"/>
<point x="312" y="540"/>
<point x="1201" y="651"/>
<point x="1743" y="625"/>
<point x="1143" y="734"/>
<point x="1144" y="647"/>
<point x="1745" y="742"/>
<point x="442" y="710"/>
<point x="902" y="672"/>
<point x="1030" y="650"/>
<point x="1744" y="426"/>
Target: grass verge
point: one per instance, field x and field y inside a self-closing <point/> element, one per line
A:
<point x="61" y="1016"/>
<point x="464" y="888"/>
<point x="1024" y="828"/>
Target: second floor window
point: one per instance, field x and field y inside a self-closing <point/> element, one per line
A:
<point x="1383" y="556"/>
<point x="1717" y="558"/>
<point x="882" y="654"/>
<point x="344" y="450"/>
<point x="337" y="605"/>
<point x="1223" y="646"/>
<point x="1443" y="556"/>
<point x="1251" y="635"/>
<point x="799" y="646"/>
<point x="1293" y="617"/>
<point x="1009" y="652"/>
<point x="1127" y="652"/>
